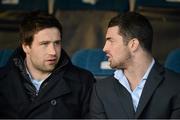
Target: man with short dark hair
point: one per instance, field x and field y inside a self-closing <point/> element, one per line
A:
<point x="39" y="80"/>
<point x="141" y="88"/>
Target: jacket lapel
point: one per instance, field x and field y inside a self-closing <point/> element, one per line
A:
<point x="56" y="88"/>
<point x="125" y="99"/>
<point x="153" y="80"/>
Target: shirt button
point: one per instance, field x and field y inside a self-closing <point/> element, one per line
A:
<point x="53" y="102"/>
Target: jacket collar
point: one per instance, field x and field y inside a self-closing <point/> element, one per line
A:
<point x="154" y="79"/>
<point x="60" y="88"/>
<point x="125" y="99"/>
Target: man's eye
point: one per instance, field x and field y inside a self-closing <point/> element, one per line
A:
<point x="58" y="42"/>
<point x="44" y="43"/>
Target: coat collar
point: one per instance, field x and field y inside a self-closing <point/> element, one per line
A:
<point x="60" y="88"/>
<point x="124" y="98"/>
<point x="56" y="86"/>
<point x="154" y="79"/>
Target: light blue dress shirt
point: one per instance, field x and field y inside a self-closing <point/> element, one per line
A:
<point x="36" y="83"/>
<point x="136" y="93"/>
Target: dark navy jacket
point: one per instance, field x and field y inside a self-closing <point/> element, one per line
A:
<point x="64" y="94"/>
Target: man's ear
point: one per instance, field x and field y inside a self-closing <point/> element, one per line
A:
<point x="26" y="48"/>
<point x="133" y="44"/>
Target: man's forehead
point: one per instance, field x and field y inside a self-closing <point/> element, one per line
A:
<point x="112" y="30"/>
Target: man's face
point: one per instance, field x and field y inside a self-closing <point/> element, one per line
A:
<point x="116" y="50"/>
<point x="44" y="52"/>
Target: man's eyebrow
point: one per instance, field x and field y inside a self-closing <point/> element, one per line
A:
<point x="50" y="41"/>
<point x="44" y="41"/>
<point x="57" y="40"/>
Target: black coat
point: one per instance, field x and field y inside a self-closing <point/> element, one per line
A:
<point x="160" y="98"/>
<point x="64" y="94"/>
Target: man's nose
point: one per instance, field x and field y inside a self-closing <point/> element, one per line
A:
<point x="105" y="47"/>
<point x="52" y="50"/>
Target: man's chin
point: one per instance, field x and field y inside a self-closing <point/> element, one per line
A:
<point x="112" y="66"/>
<point x="50" y="68"/>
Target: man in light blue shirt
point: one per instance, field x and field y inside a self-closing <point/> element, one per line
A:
<point x="141" y="88"/>
<point x="136" y="93"/>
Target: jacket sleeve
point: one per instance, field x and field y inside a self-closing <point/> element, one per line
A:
<point x="96" y="106"/>
<point x="86" y="94"/>
<point x="176" y="108"/>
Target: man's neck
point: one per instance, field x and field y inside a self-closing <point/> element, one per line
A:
<point x="38" y="75"/>
<point x="34" y="73"/>
<point x="136" y="71"/>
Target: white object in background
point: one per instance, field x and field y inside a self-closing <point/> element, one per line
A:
<point x="10" y="2"/>
<point x="173" y="0"/>
<point x="132" y="4"/>
<point x="92" y="2"/>
<point x="51" y="6"/>
<point x="105" y="65"/>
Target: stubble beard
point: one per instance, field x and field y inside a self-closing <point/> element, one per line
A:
<point x="121" y="64"/>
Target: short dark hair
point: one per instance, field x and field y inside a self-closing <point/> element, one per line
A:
<point x="35" y="21"/>
<point x="134" y="25"/>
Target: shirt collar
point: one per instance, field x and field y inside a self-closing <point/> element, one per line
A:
<point x="119" y="75"/>
<point x="148" y="70"/>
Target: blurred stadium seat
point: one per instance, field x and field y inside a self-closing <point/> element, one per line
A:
<point x="175" y="4"/>
<point x="12" y="11"/>
<point x="173" y="60"/>
<point x="23" y="5"/>
<point x="164" y="9"/>
<point x="93" y="60"/>
<point x="4" y="56"/>
<point x="107" y="5"/>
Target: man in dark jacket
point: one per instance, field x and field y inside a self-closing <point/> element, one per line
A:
<point x="141" y="88"/>
<point x="39" y="80"/>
